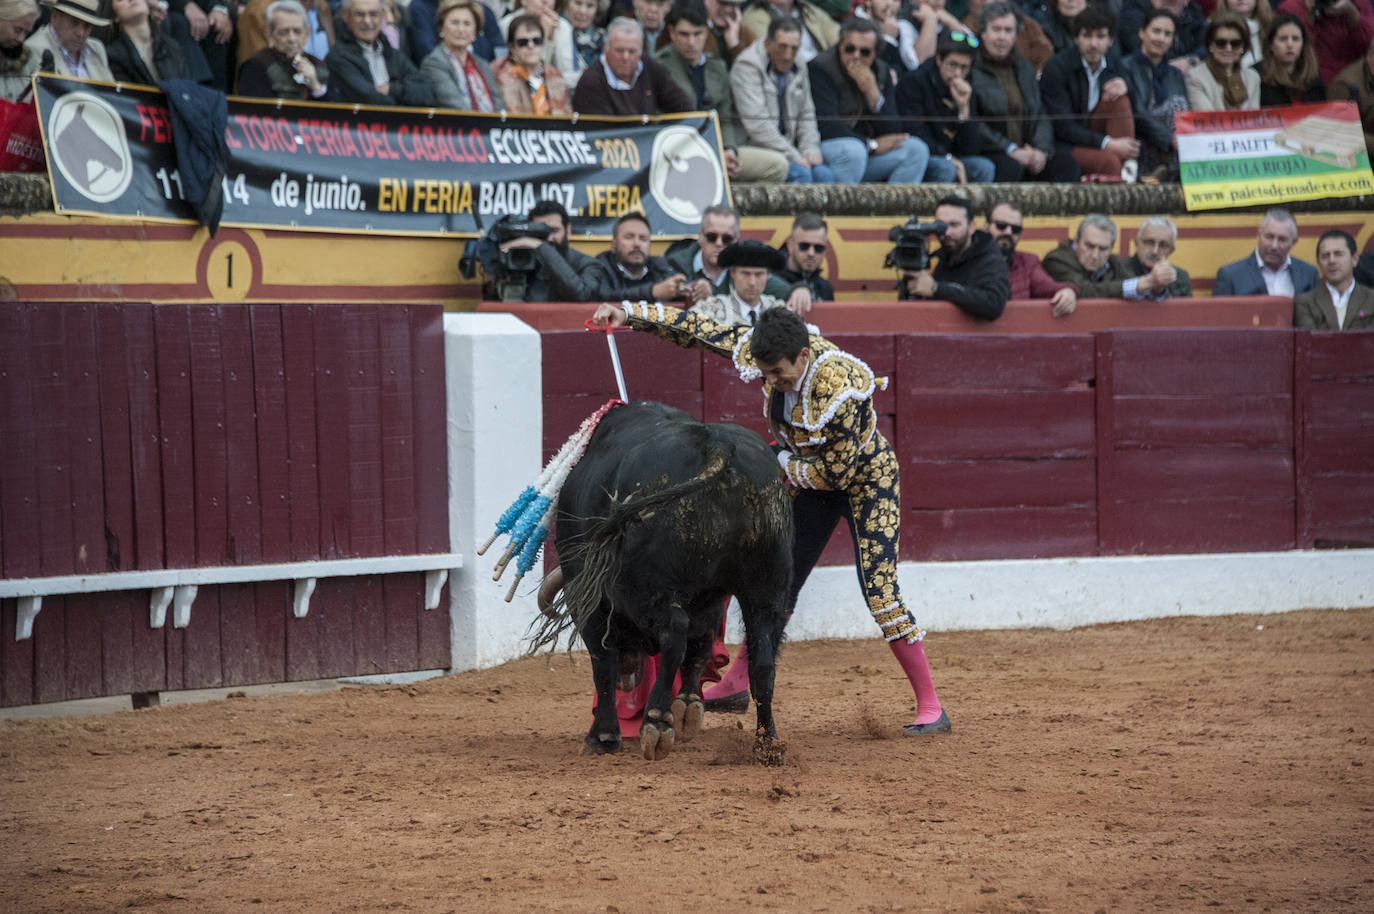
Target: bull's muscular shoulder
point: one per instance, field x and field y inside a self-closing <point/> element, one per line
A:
<point x="835" y="379"/>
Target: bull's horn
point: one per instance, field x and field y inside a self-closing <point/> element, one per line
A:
<point x="549" y="588"/>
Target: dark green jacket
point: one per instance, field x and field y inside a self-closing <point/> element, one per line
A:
<point x="1062" y="264"/>
<point x="718" y="94"/>
<point x="681" y="254"/>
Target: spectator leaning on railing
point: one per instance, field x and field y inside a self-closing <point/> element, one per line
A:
<point x="971" y="272"/>
<point x="1155" y="241"/>
<point x="1089" y="263"/>
<point x="1024" y="271"/>
<point x="1338" y="302"/>
<point x="1271" y="269"/>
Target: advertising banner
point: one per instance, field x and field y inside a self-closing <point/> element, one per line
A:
<point x="396" y="171"/>
<point x="1272" y="155"/>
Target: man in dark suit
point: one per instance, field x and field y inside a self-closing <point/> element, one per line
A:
<point x="1270" y="270"/>
<point x="1087" y="96"/>
<point x="1338" y="302"/>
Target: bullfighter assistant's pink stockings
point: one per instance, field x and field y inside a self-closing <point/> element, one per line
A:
<point x="912" y="656"/>
<point x="736" y="678"/>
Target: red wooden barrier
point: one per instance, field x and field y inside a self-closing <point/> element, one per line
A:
<point x="940" y="317"/>
<point x="139" y="437"/>
<point x="1120" y="442"/>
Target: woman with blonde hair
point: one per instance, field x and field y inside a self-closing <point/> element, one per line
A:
<point x="1221" y="83"/>
<point x="1288" y="73"/>
<point x="461" y="79"/>
<point x="1257" y="14"/>
<point x="526" y="83"/>
<point x="18" y="18"/>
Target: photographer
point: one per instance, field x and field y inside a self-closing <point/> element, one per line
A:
<point x="558" y="268"/>
<point x="971" y="273"/>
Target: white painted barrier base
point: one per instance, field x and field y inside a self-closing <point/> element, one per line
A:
<point x="1064" y="593"/>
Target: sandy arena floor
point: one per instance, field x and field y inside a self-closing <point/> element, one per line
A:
<point x="1180" y="765"/>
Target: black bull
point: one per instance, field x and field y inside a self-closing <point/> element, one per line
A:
<point x="662" y="518"/>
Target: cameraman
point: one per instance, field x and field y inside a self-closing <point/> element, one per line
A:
<point x="560" y="267"/>
<point x="971" y="273"/>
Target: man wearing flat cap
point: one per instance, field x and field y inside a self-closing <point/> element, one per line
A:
<point x="67" y="37"/>
<point x="750" y="263"/>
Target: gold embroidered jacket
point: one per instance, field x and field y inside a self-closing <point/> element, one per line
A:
<point x="832" y="424"/>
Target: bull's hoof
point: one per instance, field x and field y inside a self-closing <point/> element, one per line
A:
<point x="690" y="710"/>
<point x="769" y="750"/>
<point x="601" y="744"/>
<point x="656" y="740"/>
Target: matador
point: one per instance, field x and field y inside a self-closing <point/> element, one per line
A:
<point x="819" y="403"/>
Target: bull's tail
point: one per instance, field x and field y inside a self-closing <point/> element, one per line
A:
<point x="596" y="554"/>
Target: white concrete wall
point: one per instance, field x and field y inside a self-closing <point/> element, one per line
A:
<point x="495" y="429"/>
<point x="1064" y="593"/>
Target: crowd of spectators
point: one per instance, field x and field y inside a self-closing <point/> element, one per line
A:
<point x="826" y="91"/>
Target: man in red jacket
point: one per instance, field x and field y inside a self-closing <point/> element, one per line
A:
<point x="1027" y="275"/>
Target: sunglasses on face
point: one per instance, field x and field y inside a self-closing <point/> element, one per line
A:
<point x="855" y="49"/>
<point x="818" y="247"/>
<point x="1007" y="227"/>
<point x="1234" y="44"/>
<point x="529" y="41"/>
<point x="718" y="237"/>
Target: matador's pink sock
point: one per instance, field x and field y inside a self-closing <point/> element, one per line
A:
<point x="912" y="657"/>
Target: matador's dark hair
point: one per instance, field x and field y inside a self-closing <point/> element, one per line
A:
<point x="778" y="334"/>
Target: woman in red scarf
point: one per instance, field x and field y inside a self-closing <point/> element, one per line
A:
<point x="527" y="84"/>
<point x="461" y="79"/>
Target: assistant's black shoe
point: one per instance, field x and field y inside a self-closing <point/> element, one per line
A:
<point x="737" y="703"/>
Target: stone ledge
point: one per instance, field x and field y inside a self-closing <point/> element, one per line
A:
<point x="23" y="194"/>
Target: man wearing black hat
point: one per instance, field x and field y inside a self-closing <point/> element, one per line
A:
<point x="750" y="264"/>
<point x="68" y="38"/>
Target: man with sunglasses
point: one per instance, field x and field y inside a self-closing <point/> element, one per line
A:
<point x="971" y="272"/>
<point x="861" y="132"/>
<point x="699" y="259"/>
<point x="805" y="249"/>
<point x="367" y="69"/>
<point x="1024" y="271"/>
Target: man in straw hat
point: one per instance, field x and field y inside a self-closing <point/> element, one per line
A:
<point x="68" y="38"/>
